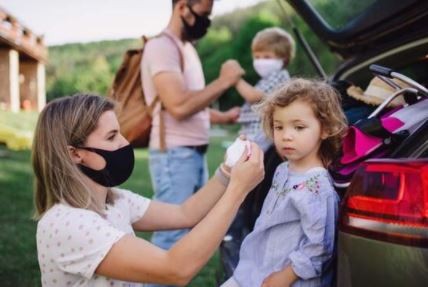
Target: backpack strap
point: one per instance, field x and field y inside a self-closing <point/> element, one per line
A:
<point x="162" y="142"/>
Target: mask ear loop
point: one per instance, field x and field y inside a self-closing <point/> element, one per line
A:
<point x="92" y="149"/>
<point x="193" y="12"/>
<point x="85" y="148"/>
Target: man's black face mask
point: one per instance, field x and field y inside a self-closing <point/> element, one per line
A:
<point x="198" y="29"/>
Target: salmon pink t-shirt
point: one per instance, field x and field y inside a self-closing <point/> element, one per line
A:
<point x="161" y="54"/>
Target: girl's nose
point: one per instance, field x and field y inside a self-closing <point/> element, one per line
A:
<point x="287" y="135"/>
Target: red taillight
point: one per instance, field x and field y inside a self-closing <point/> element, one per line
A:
<point x="388" y="200"/>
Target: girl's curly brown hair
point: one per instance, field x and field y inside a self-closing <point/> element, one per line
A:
<point x="326" y="104"/>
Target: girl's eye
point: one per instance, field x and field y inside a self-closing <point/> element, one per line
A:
<point x="299" y="128"/>
<point x="277" y="128"/>
<point x="110" y="138"/>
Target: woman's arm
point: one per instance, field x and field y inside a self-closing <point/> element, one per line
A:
<point x="135" y="259"/>
<point x="164" y="216"/>
<point x="248" y="92"/>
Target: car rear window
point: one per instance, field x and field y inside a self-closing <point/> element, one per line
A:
<point x="344" y="10"/>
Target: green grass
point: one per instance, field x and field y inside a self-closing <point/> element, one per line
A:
<point x="18" y="256"/>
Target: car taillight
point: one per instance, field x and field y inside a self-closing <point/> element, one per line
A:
<point x="388" y="200"/>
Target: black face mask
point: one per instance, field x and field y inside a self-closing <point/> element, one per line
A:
<point x="119" y="166"/>
<point x="198" y="29"/>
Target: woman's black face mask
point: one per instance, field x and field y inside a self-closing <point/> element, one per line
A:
<point x="119" y="166"/>
<point x="198" y="29"/>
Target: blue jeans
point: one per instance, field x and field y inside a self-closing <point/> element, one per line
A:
<point x="176" y="174"/>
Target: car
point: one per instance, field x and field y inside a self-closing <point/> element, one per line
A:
<point x="382" y="238"/>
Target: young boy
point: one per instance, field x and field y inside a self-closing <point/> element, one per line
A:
<point x="272" y="50"/>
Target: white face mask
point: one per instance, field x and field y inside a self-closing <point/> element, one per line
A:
<point x="264" y="67"/>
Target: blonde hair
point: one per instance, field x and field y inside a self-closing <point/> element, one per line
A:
<point x="276" y="40"/>
<point x="325" y="103"/>
<point x="64" y="122"/>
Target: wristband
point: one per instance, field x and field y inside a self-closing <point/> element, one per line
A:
<point x="224" y="170"/>
<point x="222" y="175"/>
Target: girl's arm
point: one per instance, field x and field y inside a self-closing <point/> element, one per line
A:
<point x="318" y="214"/>
<point x="248" y="92"/>
<point x="134" y="259"/>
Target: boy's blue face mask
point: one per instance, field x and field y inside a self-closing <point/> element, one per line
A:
<point x="118" y="168"/>
<point x="198" y="29"/>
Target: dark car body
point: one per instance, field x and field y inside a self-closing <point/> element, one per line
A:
<point x="383" y="229"/>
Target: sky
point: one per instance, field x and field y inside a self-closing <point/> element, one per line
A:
<point x="65" y="21"/>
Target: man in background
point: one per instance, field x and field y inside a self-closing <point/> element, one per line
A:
<point x="171" y="69"/>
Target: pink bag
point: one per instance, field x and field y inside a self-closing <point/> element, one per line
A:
<point x="377" y="138"/>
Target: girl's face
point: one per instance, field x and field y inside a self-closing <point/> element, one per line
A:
<point x="106" y="136"/>
<point x="298" y="134"/>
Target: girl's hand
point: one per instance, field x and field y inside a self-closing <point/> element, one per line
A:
<point x="283" y="278"/>
<point x="249" y="170"/>
<point x="276" y="279"/>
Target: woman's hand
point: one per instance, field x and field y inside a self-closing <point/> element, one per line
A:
<point x="249" y="170"/>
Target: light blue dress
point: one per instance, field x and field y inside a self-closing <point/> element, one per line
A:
<point x="296" y="226"/>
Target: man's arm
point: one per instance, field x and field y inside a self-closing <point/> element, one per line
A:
<point x="181" y="102"/>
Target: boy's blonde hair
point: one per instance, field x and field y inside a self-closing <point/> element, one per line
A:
<point x="276" y="40"/>
<point x="64" y="122"/>
<point x="325" y="103"/>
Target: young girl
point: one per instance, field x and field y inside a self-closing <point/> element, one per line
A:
<point x="85" y="233"/>
<point x="293" y="239"/>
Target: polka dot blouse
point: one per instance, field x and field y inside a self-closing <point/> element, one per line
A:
<point x="71" y="242"/>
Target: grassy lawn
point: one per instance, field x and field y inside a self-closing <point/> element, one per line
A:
<point x="18" y="257"/>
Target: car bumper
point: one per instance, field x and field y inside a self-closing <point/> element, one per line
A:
<point x="368" y="262"/>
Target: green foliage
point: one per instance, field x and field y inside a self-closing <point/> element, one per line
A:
<point x="84" y="67"/>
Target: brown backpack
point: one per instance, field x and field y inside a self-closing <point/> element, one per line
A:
<point x="134" y="114"/>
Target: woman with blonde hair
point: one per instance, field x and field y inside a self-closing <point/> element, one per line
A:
<point x="85" y="231"/>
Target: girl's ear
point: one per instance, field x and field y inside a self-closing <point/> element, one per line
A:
<point x="324" y="134"/>
<point x="75" y="155"/>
